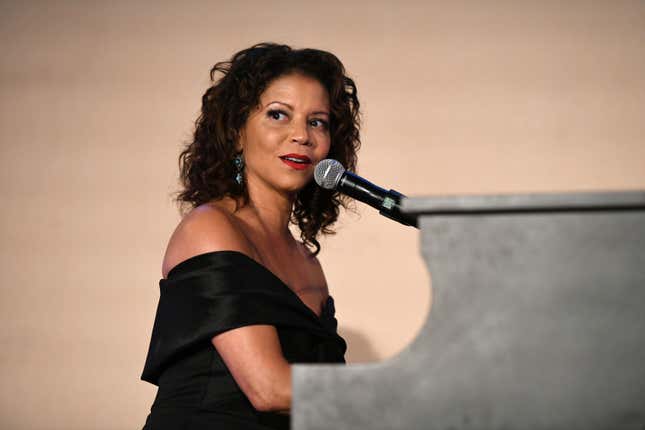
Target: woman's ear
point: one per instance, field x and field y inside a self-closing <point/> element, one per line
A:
<point x="238" y="138"/>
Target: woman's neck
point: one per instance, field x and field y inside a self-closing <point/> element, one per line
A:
<point x="271" y="211"/>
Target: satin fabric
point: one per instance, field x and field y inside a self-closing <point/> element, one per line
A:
<point x="211" y="293"/>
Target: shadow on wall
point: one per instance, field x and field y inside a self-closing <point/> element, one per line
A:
<point x="359" y="349"/>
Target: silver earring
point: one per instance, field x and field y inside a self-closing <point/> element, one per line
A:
<point x="238" y="163"/>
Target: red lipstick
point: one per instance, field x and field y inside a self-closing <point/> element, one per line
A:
<point x="296" y="161"/>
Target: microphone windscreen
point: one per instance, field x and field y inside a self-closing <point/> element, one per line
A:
<point x="328" y="173"/>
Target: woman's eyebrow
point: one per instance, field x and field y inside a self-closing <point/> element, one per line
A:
<point x="282" y="103"/>
<point x="291" y="107"/>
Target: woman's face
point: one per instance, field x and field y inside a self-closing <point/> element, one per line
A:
<point x="291" y="121"/>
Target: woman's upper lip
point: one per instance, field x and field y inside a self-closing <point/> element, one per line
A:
<point x="298" y="156"/>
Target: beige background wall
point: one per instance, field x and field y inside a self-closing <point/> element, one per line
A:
<point x="96" y="98"/>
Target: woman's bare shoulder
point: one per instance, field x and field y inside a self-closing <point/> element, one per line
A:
<point x="206" y="228"/>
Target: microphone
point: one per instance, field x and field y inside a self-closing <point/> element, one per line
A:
<point x="331" y="175"/>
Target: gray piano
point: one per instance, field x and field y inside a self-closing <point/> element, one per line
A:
<point x="537" y="322"/>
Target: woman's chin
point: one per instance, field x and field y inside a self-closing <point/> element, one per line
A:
<point x="294" y="187"/>
<point x="288" y="186"/>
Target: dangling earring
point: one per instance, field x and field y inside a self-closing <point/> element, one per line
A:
<point x="238" y="163"/>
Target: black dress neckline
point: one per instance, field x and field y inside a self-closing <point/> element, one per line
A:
<point x="327" y="309"/>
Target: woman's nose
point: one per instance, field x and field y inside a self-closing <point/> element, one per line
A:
<point x="300" y="133"/>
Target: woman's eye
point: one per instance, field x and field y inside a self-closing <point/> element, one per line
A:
<point x="318" y="123"/>
<point x="276" y="114"/>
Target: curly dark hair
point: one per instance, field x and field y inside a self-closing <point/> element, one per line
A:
<point x="206" y="163"/>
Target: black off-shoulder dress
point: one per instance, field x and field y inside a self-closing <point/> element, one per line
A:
<point x="208" y="294"/>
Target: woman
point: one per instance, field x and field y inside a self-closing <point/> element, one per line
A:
<point x="241" y="299"/>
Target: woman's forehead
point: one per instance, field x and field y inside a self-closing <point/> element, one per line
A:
<point x="295" y="88"/>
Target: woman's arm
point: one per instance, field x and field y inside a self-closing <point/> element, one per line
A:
<point x="254" y="357"/>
